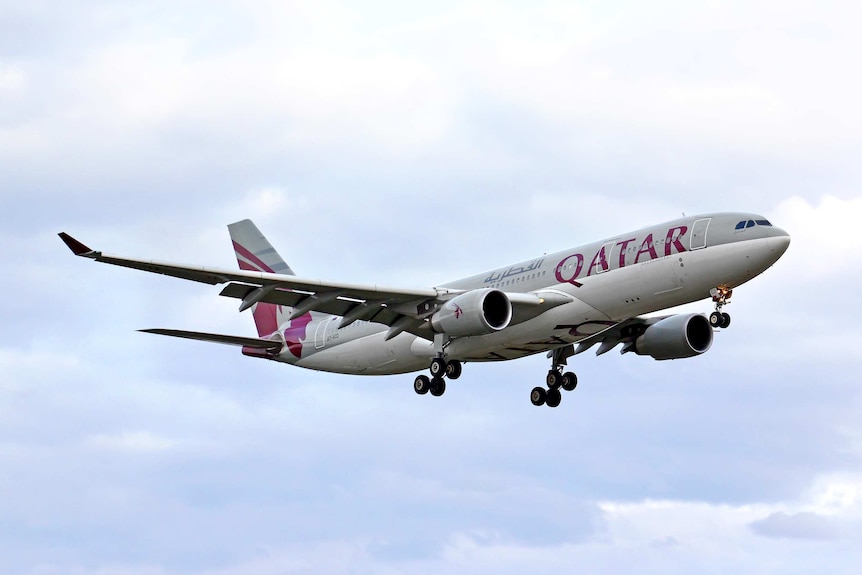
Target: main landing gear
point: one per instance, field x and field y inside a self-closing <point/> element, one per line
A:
<point x="721" y="297"/>
<point x="555" y="380"/>
<point x="439" y="369"/>
<point x="552" y="396"/>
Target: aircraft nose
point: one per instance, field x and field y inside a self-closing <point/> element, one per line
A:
<point x="779" y="241"/>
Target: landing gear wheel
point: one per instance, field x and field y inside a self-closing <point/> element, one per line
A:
<point x="438" y="386"/>
<point x="453" y="369"/>
<point x="438" y="367"/>
<point x="570" y="381"/>
<point x="716" y="319"/>
<point x="421" y="384"/>
<point x="538" y="396"/>
<point x="553" y="398"/>
<point x="725" y="320"/>
<point x="554" y="379"/>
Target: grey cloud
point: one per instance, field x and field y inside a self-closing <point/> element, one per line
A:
<point x="805" y="525"/>
<point x="665" y="543"/>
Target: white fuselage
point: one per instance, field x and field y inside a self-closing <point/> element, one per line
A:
<point x="609" y="281"/>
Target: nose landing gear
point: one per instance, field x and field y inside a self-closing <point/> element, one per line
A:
<point x="721" y="297"/>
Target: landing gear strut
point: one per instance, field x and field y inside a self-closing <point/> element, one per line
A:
<point x="721" y="297"/>
<point x="555" y="379"/>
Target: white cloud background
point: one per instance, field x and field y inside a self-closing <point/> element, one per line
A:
<point x="409" y="145"/>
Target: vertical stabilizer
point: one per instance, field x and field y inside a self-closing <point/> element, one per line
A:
<point x="253" y="250"/>
<point x="255" y="253"/>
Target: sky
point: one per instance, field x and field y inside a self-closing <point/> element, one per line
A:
<point x="409" y="145"/>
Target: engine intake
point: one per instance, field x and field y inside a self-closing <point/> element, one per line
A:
<point x="676" y="337"/>
<point x="476" y="312"/>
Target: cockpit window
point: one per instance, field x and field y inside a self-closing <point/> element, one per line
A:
<point x="744" y="224"/>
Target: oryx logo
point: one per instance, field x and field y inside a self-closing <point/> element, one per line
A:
<point x="296" y="332"/>
<point x="458" y="311"/>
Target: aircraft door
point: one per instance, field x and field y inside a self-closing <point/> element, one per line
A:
<point x="606" y="251"/>
<point x="325" y="328"/>
<point x="698" y="234"/>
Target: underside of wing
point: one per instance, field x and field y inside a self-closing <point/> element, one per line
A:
<point x="608" y="339"/>
<point x="675" y="336"/>
<point x="625" y="332"/>
<point x="402" y="311"/>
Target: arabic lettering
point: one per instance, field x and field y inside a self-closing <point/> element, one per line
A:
<point x="514" y="271"/>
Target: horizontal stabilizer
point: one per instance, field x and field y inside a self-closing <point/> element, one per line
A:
<point x="267" y="344"/>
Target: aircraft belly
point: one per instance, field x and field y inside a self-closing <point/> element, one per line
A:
<point x="728" y="264"/>
<point x="369" y="355"/>
<point x="559" y="326"/>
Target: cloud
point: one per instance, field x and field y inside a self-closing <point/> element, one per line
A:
<point x="838" y="493"/>
<point x="495" y="106"/>
<point x="11" y="80"/>
<point x="825" y="240"/>
<point x="834" y="511"/>
<point x="805" y="525"/>
<point x="131" y="442"/>
<point x="411" y="145"/>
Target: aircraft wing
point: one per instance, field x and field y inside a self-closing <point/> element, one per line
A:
<point x="214" y="276"/>
<point x="369" y="302"/>
<point x="401" y="309"/>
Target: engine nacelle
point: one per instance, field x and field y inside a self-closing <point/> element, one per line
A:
<point x="476" y="312"/>
<point x="676" y="337"/>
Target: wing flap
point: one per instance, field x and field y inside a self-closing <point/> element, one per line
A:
<point x="342" y="303"/>
<point x="333" y="301"/>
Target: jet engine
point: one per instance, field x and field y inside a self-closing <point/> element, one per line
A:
<point x="676" y="337"/>
<point x="476" y="312"/>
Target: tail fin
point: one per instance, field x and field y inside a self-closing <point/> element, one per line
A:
<point x="255" y="253"/>
<point x="253" y="250"/>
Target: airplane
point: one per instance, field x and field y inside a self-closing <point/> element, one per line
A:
<point x="562" y="303"/>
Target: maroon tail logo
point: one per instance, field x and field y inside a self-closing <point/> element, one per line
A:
<point x="295" y="334"/>
<point x="266" y="314"/>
